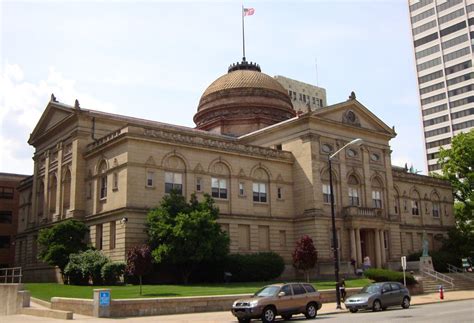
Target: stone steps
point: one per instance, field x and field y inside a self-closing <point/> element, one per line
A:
<point x="431" y="285"/>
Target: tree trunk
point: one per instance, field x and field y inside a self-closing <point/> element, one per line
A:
<point x="140" y="277"/>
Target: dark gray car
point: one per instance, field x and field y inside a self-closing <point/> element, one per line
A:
<point x="379" y="296"/>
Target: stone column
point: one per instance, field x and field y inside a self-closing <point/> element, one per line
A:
<point x="46" y="187"/>
<point x="366" y="186"/>
<point x="382" y="247"/>
<point x="59" y="187"/>
<point x="378" y="260"/>
<point x="353" y="244"/>
<point x="358" y="247"/>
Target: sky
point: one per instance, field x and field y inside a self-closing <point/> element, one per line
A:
<point x="154" y="59"/>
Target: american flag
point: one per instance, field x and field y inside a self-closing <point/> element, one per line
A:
<point x="249" y="11"/>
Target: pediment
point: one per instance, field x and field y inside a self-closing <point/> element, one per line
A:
<point x="53" y="115"/>
<point x="354" y="114"/>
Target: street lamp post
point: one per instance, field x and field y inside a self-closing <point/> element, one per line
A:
<point x="357" y="141"/>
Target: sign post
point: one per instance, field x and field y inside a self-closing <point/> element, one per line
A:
<point x="404" y="267"/>
<point x="101" y="303"/>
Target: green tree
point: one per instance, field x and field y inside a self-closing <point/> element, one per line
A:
<point x="457" y="165"/>
<point x="61" y="240"/>
<point x="186" y="234"/>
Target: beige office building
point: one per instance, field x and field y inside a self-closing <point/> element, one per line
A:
<point x="303" y="96"/>
<point x="443" y="33"/>
<point x="266" y="167"/>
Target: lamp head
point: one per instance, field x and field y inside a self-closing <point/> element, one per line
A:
<point x="357" y="142"/>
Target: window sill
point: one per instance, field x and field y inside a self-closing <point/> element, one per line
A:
<point x="218" y="199"/>
<point x="115" y="189"/>
<point x="280" y="200"/>
<point x="260" y="203"/>
<point x="242" y="196"/>
<point x="103" y="200"/>
<point x="150" y="187"/>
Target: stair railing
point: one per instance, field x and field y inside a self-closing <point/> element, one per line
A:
<point x="460" y="272"/>
<point x="439" y="276"/>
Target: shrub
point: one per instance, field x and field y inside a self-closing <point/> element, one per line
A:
<point x="440" y="259"/>
<point x="255" y="267"/>
<point x="85" y="266"/>
<point x="112" y="271"/>
<point x="383" y="275"/>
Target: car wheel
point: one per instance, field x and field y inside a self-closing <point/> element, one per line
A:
<point x="311" y="311"/>
<point x="353" y="310"/>
<point x="268" y="315"/>
<point x="406" y="302"/>
<point x="377" y="306"/>
<point x="286" y="317"/>
<point x="244" y="320"/>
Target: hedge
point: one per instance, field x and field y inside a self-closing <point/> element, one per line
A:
<point x="383" y="275"/>
<point x="111" y="272"/>
<point x="262" y="266"/>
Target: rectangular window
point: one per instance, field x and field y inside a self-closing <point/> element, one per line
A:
<point x="377" y="199"/>
<point x="112" y="235"/>
<point x="436" y="210"/>
<point x="461" y="90"/>
<point x="264" y="237"/>
<point x="448" y="4"/>
<point x="433" y="98"/>
<point x="4" y="242"/>
<point x="424" y="27"/>
<point x="98" y="236"/>
<point x="461" y="102"/>
<point x="463" y="125"/>
<point x="395" y="203"/>
<point x="244" y="237"/>
<point x="457" y="54"/>
<point x="438" y="143"/>
<point x="451" y="16"/>
<point x="432" y="88"/>
<point x="462" y="113"/>
<point x="428" y="64"/>
<point x="6" y="192"/>
<point x="420" y="4"/>
<point x="423" y="15"/>
<point x="282" y="238"/>
<point x="173" y="181"/>
<point x="435" y="109"/>
<point x="455" y="41"/>
<point x="219" y="188"/>
<point x="434" y="121"/>
<point x="452" y="29"/>
<point x="150" y="179"/>
<point x="198" y="184"/>
<point x="436" y="132"/>
<point x="426" y="52"/>
<point x="279" y="195"/>
<point x="458" y="67"/>
<point x="327" y="194"/>
<point x="430" y="77"/>
<point x="415" y="208"/>
<point x="353" y="196"/>
<point x="460" y="79"/>
<point x="385" y="239"/>
<point x="6" y="217"/>
<point x="433" y="167"/>
<point x="426" y="39"/>
<point x="241" y="189"/>
<point x="260" y="192"/>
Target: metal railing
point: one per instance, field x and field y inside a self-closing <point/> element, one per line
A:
<point x="461" y="272"/>
<point x="10" y="275"/>
<point x="439" y="276"/>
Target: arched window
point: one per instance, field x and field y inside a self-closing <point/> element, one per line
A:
<point x="396" y="202"/>
<point x="436" y="206"/>
<point x="377" y="193"/>
<point x="53" y="188"/>
<point x="326" y="187"/>
<point x="40" y="198"/>
<point x="66" y="192"/>
<point x="220" y="180"/>
<point x="103" y="180"/>
<point x="353" y="191"/>
<point x="415" y="203"/>
<point x="260" y="185"/>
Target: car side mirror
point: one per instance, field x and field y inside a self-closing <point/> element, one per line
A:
<point x="280" y="294"/>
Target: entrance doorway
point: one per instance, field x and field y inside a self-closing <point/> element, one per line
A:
<point x="367" y="244"/>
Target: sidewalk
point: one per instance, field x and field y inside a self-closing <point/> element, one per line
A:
<point x="330" y="308"/>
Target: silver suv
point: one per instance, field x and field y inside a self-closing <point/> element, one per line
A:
<point x="278" y="299"/>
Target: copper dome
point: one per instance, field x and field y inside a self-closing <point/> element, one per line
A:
<point x="242" y="101"/>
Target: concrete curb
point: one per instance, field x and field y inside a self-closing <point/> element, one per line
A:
<point x="40" y="302"/>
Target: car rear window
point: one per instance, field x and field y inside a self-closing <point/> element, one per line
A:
<point x="298" y="289"/>
<point x="309" y="288"/>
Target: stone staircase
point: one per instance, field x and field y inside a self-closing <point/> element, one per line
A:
<point x="462" y="281"/>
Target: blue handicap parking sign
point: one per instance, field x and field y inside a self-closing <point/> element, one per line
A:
<point x="104" y="298"/>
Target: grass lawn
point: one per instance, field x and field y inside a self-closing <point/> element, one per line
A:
<point x="45" y="291"/>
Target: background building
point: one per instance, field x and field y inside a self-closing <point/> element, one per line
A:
<point x="303" y="95"/>
<point x="443" y="41"/>
<point x="9" y="205"/>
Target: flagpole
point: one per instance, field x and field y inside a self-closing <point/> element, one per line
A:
<point x="243" y="34"/>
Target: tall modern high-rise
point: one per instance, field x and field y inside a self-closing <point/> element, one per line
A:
<point x="443" y="42"/>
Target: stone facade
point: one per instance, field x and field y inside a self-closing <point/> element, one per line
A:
<point x="270" y="184"/>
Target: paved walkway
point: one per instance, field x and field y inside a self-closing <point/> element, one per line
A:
<point x="220" y="317"/>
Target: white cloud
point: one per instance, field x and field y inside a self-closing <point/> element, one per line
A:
<point x="21" y="105"/>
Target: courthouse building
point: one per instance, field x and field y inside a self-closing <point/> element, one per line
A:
<point x="265" y="165"/>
